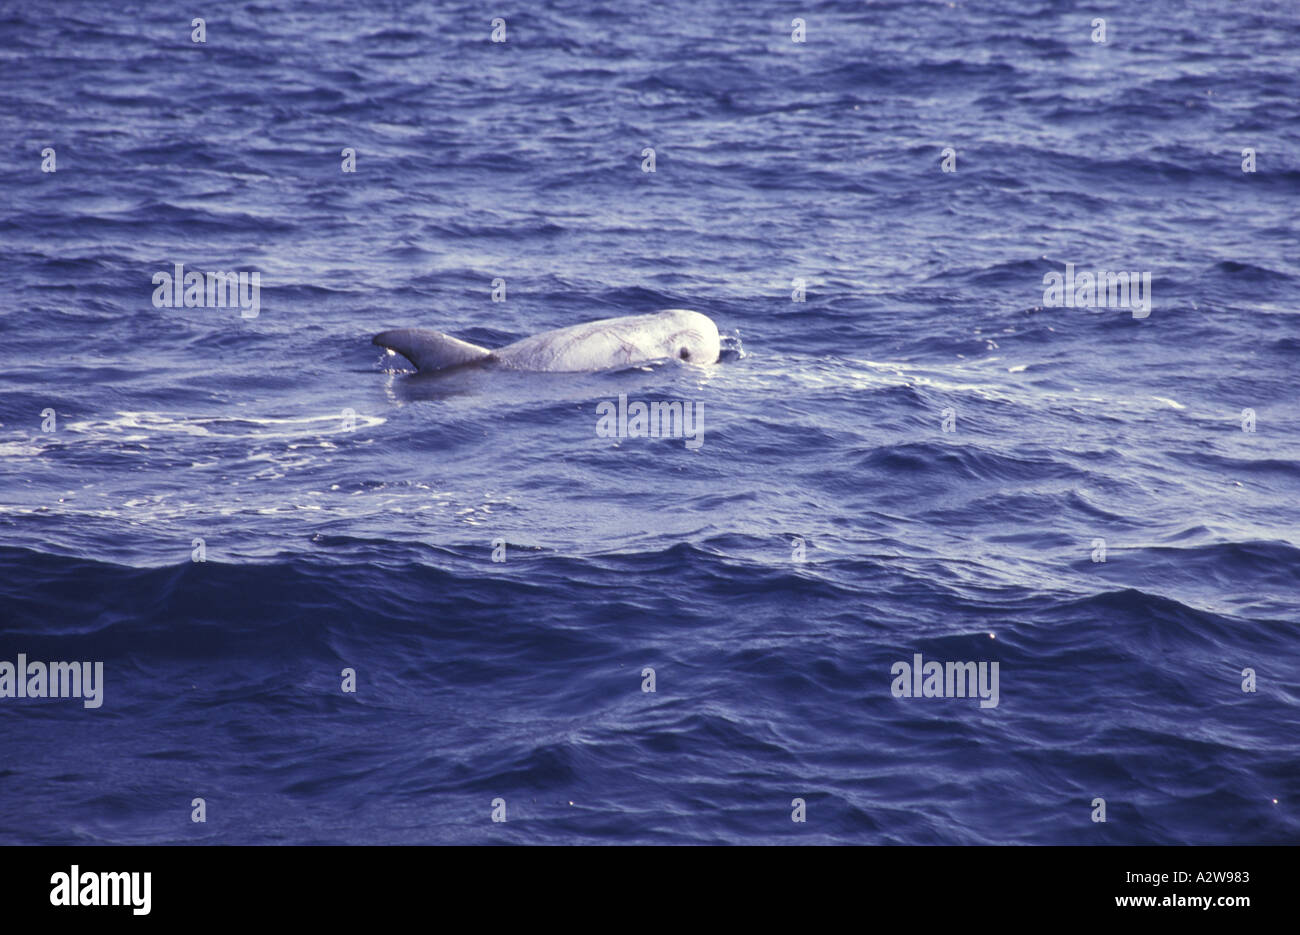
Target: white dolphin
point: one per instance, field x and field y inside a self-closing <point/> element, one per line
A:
<point x="596" y="345"/>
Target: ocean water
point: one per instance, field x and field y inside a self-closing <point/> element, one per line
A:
<point x="924" y="456"/>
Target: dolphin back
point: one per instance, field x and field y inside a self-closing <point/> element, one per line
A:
<point x="431" y="350"/>
<point x="595" y="345"/>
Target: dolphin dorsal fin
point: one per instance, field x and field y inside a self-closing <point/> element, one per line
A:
<point x="431" y="350"/>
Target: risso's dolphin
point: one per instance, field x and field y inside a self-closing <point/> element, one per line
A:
<point x="596" y="345"/>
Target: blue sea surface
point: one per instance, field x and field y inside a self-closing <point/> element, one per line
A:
<point x="919" y="458"/>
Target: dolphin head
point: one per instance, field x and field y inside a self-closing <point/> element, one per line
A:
<point x="690" y="336"/>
